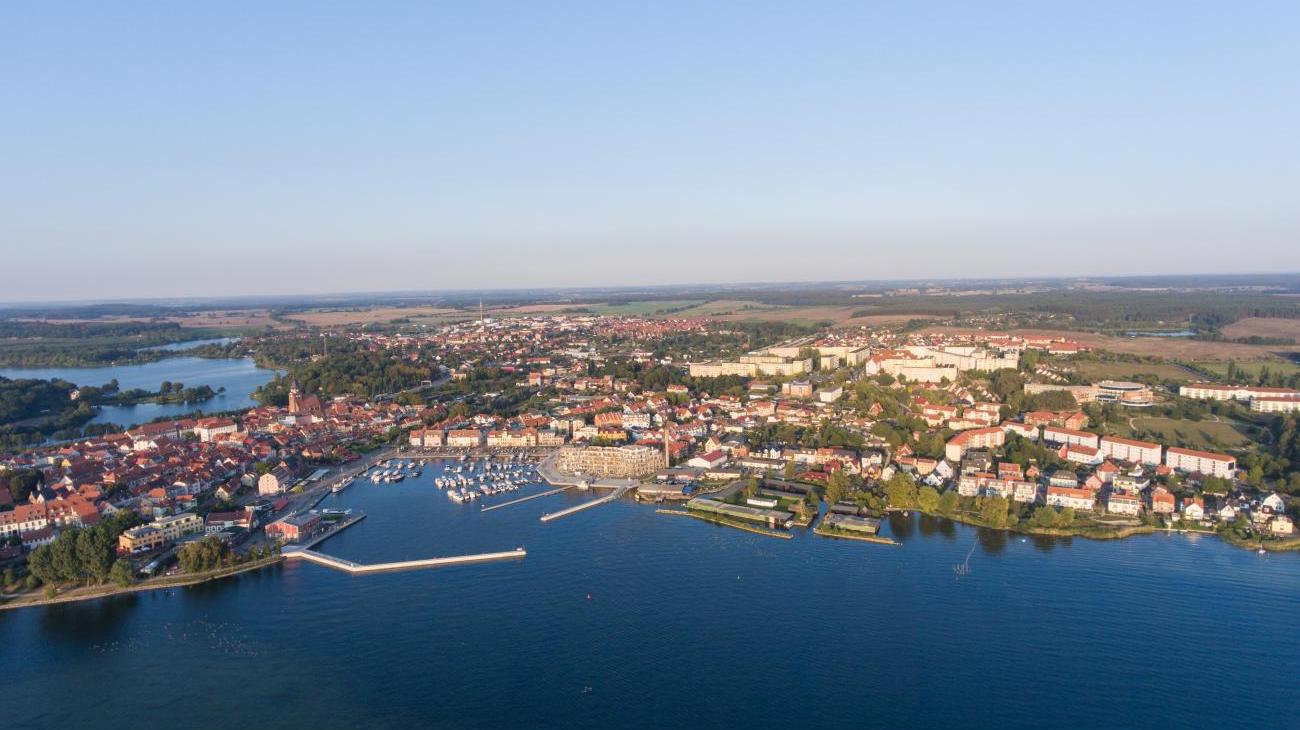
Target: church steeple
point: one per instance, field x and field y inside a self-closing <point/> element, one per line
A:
<point x="295" y="397"/>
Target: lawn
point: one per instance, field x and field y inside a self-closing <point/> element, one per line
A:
<point x="1203" y="435"/>
<point x="1252" y="367"/>
<point x="1094" y="371"/>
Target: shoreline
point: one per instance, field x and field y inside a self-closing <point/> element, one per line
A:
<point x="1116" y="533"/>
<point x="93" y="593"/>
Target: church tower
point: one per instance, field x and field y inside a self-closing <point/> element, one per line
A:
<point x="295" y="398"/>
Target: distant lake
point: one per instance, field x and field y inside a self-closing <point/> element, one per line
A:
<point x="239" y="376"/>
<point x="191" y="344"/>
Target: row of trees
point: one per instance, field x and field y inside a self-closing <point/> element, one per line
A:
<point x="81" y="555"/>
<point x="206" y="554"/>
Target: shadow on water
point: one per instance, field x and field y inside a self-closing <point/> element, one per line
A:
<point x="994" y="542"/>
<point x="901" y="527"/>
<point x="930" y="526"/>
<point x="1047" y="543"/>
<point x="79" y="622"/>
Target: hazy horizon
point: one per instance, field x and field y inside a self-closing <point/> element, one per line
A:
<point x="159" y="151"/>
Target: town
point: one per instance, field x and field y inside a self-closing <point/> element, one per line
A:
<point x="829" y="430"/>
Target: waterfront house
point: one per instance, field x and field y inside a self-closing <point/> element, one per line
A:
<point x="1120" y="503"/>
<point x="1074" y="497"/>
<point x="1162" y="501"/>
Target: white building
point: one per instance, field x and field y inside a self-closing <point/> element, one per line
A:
<point x="1202" y="462"/>
<point x="1070" y="437"/>
<point x="1137" y="452"/>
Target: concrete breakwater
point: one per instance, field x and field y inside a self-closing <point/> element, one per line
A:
<point x="349" y="566"/>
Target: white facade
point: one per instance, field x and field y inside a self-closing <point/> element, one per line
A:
<point x="1203" y="462"/>
<point x="1138" y="452"/>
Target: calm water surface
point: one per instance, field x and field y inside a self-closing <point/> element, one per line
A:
<point x="239" y="376"/>
<point x="687" y="625"/>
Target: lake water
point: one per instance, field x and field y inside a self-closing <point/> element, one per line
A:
<point x="239" y="376"/>
<point x="191" y="344"/>
<point x="687" y="625"/>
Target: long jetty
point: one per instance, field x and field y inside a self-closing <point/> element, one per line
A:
<point x="618" y="492"/>
<point x="347" y="566"/>
<point x="547" y="493"/>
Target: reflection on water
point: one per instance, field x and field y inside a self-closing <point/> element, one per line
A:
<point x="239" y="376"/>
<point x="900" y="526"/>
<point x="994" y="542"/>
<point x="75" y="623"/>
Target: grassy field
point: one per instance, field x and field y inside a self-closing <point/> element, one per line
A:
<point x="641" y="309"/>
<point x="367" y="315"/>
<point x="739" y="310"/>
<point x="1204" y="435"/>
<point x="1172" y="348"/>
<point x="1253" y="367"/>
<point x="1094" y="371"/>
<point x="1263" y="327"/>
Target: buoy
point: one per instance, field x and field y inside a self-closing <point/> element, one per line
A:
<point x="588" y="596"/>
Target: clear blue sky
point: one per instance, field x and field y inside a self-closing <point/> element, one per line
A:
<point x="178" y="148"/>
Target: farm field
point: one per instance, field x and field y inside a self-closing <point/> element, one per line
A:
<point x="367" y="315"/>
<point x="1203" y="435"/>
<point x="1263" y="327"/>
<point x="737" y="310"/>
<point x="244" y="320"/>
<point x="643" y="309"/>
<point x="1170" y="348"/>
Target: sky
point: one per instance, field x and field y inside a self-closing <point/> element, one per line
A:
<point x="178" y="149"/>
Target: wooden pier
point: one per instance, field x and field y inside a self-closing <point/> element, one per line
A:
<point x="347" y="566"/>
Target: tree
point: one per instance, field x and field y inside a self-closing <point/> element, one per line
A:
<point x="928" y="499"/>
<point x="1066" y="517"/>
<point x="23" y="482"/>
<point x="206" y="554"/>
<point x="122" y="573"/>
<point x="788" y="471"/>
<point x="1045" y="516"/>
<point x="837" y="487"/>
<point x="1006" y="383"/>
<point x="994" y="511"/>
<point x="948" y="502"/>
<point x="94" y="554"/>
<point x="1214" y="485"/>
<point x="900" y="490"/>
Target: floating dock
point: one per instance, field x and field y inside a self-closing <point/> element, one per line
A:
<point x="347" y="566"/>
